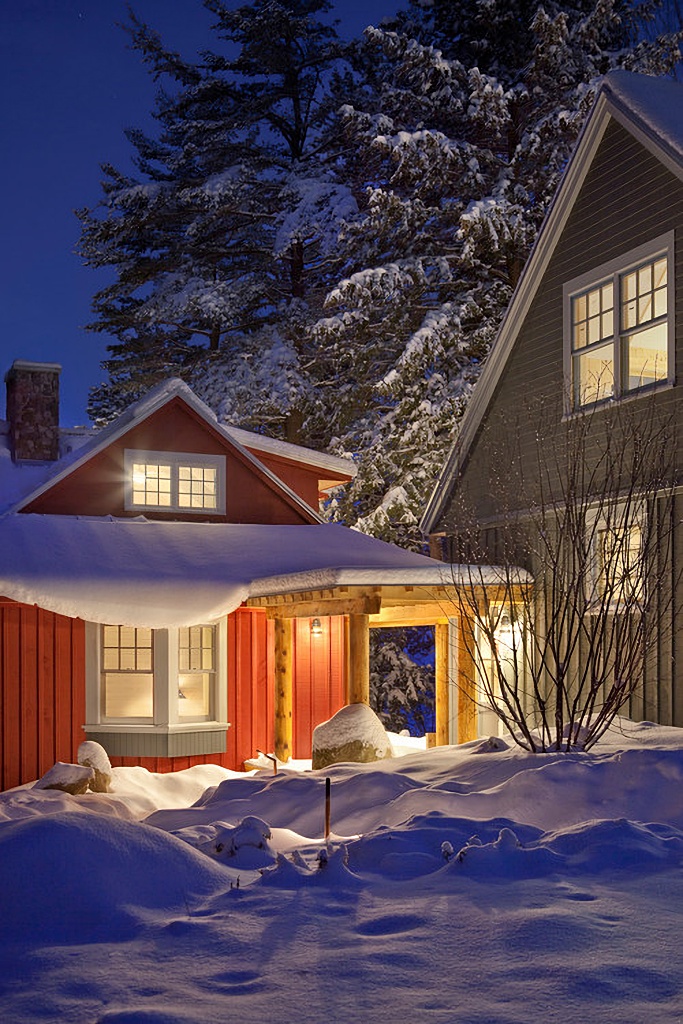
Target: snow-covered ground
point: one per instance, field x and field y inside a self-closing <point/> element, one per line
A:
<point x="463" y="884"/>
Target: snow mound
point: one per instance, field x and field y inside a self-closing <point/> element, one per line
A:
<point x="244" y="846"/>
<point x="618" y="845"/>
<point x="101" y="872"/>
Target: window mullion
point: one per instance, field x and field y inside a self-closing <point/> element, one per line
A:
<point x="618" y="342"/>
<point x="164" y="706"/>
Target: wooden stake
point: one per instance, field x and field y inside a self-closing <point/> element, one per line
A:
<point x="328" y="788"/>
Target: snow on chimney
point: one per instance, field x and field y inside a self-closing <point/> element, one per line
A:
<point x="33" y="410"/>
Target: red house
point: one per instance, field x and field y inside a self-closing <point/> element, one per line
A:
<point x="169" y="589"/>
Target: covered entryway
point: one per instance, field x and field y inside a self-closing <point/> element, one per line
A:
<point x="392" y="598"/>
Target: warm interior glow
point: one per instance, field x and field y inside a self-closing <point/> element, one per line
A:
<point x="594" y="375"/>
<point x="196" y="664"/>
<point x="128" y="695"/>
<point x="646" y="357"/>
<point x="128" y="677"/>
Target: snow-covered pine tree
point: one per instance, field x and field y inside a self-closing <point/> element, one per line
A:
<point x="402" y="679"/>
<point x="455" y="154"/>
<point x="225" y="233"/>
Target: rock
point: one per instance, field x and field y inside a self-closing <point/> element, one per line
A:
<point x="93" y="755"/>
<point x="69" y="778"/>
<point x="355" y="733"/>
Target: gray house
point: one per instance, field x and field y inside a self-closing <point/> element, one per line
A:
<point x="566" y="460"/>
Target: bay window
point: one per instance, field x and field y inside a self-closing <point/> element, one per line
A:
<point x="157" y="692"/>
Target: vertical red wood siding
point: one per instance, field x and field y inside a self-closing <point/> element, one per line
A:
<point x="42" y="691"/>
<point x="318" y="678"/>
<point x="251" y="695"/>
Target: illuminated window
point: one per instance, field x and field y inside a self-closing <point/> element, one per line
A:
<point x="619" y="326"/>
<point x="151" y="484"/>
<point x="196" y="671"/>
<point x="175" y="482"/>
<point x="127" y="673"/>
<point x="618" y="563"/>
<point x="141" y="667"/>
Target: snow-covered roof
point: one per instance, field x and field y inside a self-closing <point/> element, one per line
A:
<point x="293" y="452"/>
<point x="651" y="109"/>
<point x="20" y="483"/>
<point x="653" y="106"/>
<point x="429" y="575"/>
<point x="161" y="574"/>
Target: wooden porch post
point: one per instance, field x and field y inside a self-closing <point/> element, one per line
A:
<point x="359" y="659"/>
<point x="283" y="688"/>
<point x="441" y="683"/>
<point x="467" y="691"/>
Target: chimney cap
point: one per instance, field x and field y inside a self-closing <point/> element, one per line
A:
<point x="29" y="366"/>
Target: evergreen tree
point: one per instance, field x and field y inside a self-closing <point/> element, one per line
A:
<point x="455" y="154"/>
<point x="402" y="679"/>
<point x="223" y="235"/>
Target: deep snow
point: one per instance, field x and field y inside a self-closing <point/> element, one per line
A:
<point x="462" y="884"/>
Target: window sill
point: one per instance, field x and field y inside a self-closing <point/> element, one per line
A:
<point x="611" y="403"/>
<point x="159" y="730"/>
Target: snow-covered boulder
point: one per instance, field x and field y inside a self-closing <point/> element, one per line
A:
<point x="93" y="755"/>
<point x="355" y="733"/>
<point x="69" y="778"/>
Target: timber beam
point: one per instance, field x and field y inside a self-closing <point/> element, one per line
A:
<point x="335" y="606"/>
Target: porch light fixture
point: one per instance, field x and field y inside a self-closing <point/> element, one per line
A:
<point x="316" y="627"/>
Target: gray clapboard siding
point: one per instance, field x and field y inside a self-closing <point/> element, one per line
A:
<point x="628" y="199"/>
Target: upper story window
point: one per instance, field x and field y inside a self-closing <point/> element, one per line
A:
<point x="174" y="482"/>
<point x="619" y="326"/>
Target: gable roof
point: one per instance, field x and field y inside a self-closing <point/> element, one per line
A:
<point x="651" y="109"/>
<point x="155" y="400"/>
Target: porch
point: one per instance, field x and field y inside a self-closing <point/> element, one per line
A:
<point x="426" y="599"/>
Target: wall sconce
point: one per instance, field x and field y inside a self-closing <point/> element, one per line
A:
<point x="316" y="627"/>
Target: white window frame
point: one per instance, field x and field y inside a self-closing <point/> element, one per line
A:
<point x="175" y="460"/>
<point x="166" y="676"/>
<point x="613" y="272"/>
<point x="619" y="519"/>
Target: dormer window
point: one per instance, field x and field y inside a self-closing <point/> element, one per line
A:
<point x="174" y="482"/>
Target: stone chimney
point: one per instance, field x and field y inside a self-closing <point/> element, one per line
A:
<point x="33" y="410"/>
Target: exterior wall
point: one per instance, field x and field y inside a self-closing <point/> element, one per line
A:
<point x="97" y="487"/>
<point x="628" y="199"/>
<point x="318" y="678"/>
<point x="251" y="687"/>
<point x="42" y="691"/>
<point x="302" y="479"/>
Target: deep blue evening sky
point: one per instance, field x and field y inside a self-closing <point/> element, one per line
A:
<point x="69" y="86"/>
